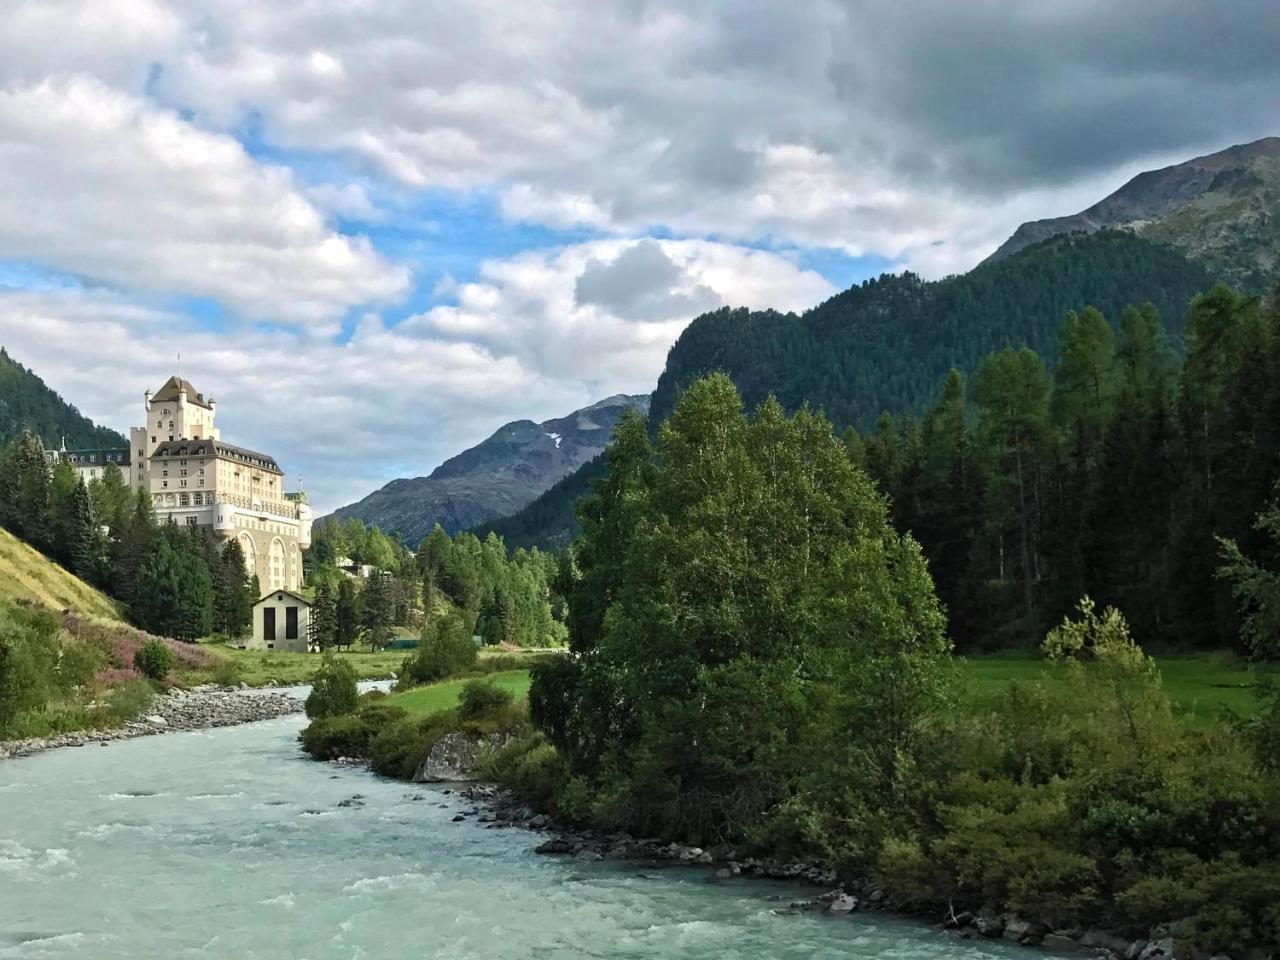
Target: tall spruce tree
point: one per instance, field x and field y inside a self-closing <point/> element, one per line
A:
<point x="324" y="619"/>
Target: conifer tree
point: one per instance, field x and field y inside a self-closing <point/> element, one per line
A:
<point x="24" y="491"/>
<point x="234" y="603"/>
<point x="347" y="614"/>
<point x="324" y="619"/>
<point x="82" y="535"/>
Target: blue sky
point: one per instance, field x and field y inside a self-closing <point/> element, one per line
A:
<point x="366" y="228"/>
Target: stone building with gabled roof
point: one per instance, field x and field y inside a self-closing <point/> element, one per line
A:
<point x="281" y="621"/>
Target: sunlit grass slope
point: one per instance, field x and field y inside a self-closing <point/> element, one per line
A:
<point x="26" y="574"/>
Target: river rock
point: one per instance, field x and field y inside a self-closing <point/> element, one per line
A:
<point x="842" y="903"/>
<point x="174" y="711"/>
<point x="988" y="926"/>
<point x="453" y="758"/>
<point x="1101" y="940"/>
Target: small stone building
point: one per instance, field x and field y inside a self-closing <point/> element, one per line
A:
<point x="281" y="621"/>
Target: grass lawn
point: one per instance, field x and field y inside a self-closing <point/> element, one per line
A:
<point x="258" y="668"/>
<point x="1198" y="686"/>
<point x="421" y="701"/>
<point x="261" y="667"/>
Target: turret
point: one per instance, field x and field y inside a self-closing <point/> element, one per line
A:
<point x="146" y="400"/>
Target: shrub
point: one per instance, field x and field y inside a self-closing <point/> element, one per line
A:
<point x="350" y="734"/>
<point x="31" y="661"/>
<point x="153" y="659"/>
<point x="575" y="801"/>
<point x="481" y="698"/>
<point x="398" y="749"/>
<point x="228" y="673"/>
<point x="532" y="768"/>
<point x="23" y="682"/>
<point x="446" y="650"/>
<point x="129" y="700"/>
<point x="333" y="689"/>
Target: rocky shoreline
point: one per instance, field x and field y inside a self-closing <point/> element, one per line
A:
<point x="498" y="808"/>
<point x="175" y="711"/>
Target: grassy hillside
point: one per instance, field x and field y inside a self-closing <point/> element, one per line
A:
<point x="436" y="697"/>
<point x="26" y="574"/>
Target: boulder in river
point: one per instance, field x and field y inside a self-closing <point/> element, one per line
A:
<point x="453" y="758"/>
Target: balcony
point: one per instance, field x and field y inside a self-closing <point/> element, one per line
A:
<point x="262" y="508"/>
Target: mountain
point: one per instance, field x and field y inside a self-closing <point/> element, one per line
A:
<point x="1222" y="210"/>
<point x="27" y="404"/>
<point x="494" y="478"/>
<point x="886" y="344"/>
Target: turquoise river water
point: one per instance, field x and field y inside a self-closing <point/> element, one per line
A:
<point x="229" y="843"/>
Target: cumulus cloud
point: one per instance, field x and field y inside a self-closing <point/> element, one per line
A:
<point x="642" y="283"/>
<point x="389" y="401"/>
<point x="100" y="184"/>
<point x="866" y="125"/>
<point x="160" y="150"/>
<point x="606" y="311"/>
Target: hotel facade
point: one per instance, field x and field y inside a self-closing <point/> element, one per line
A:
<point x="194" y="478"/>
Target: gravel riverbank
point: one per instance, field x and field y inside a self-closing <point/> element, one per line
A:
<point x="174" y="711"/>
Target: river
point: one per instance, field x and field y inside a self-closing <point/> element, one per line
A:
<point x="229" y="843"/>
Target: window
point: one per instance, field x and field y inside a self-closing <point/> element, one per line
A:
<point x="182" y="483"/>
<point x="159" y="423"/>
<point x="164" y="483"/>
<point x="291" y="623"/>
<point x="164" y="473"/>
<point x="268" y="624"/>
<point x="184" y="500"/>
<point x="191" y="521"/>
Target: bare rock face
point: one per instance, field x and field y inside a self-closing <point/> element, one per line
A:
<point x="454" y="757"/>
<point x="1219" y="209"/>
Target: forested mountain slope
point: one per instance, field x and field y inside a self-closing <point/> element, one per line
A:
<point x="885" y="344"/>
<point x="1222" y="210"/>
<point x="26" y="403"/>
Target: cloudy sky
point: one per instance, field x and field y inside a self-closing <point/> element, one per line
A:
<point x="378" y="229"/>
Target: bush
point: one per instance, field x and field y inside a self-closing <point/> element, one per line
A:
<point x="398" y="749"/>
<point x="24" y="671"/>
<point x="532" y="768"/>
<point x="481" y="698"/>
<point x="350" y="734"/>
<point x="153" y="659"/>
<point x="333" y="689"/>
<point x="446" y="650"/>
<point x="228" y="673"/>
<point x="129" y="700"/>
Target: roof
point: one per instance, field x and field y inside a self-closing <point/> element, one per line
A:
<point x="292" y="593"/>
<point x="175" y="385"/>
<point x="215" y="448"/>
<point x="104" y="455"/>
